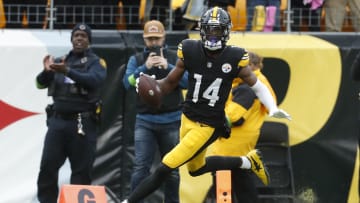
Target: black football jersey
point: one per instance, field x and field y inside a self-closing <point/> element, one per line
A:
<point x="210" y="80"/>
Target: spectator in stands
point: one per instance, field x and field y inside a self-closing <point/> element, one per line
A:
<point x="335" y="11"/>
<point x="263" y="15"/>
<point x="155" y="128"/>
<point x="75" y="82"/>
<point x="306" y="12"/>
<point x="194" y="10"/>
<point x="192" y="14"/>
<point x="33" y="10"/>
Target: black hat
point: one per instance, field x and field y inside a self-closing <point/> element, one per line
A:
<point x="83" y="27"/>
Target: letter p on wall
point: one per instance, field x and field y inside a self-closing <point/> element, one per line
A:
<point x="82" y="194"/>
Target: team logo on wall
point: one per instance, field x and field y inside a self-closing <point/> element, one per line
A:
<point x="226" y="67"/>
<point x="15" y="112"/>
<point x="209" y="65"/>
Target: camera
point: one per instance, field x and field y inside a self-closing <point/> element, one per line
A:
<point x="156" y="49"/>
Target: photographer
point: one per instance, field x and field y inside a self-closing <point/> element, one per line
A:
<point x="155" y="128"/>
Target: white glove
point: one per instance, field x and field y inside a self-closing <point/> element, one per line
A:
<point x="279" y="113"/>
<point x="137" y="80"/>
<point x="137" y="84"/>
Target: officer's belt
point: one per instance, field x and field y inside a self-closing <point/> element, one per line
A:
<point x="73" y="116"/>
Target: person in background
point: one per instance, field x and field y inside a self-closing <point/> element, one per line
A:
<point x="246" y="115"/>
<point x="192" y="13"/>
<point x="336" y="12"/>
<point x="195" y="8"/>
<point x="74" y="81"/>
<point x="263" y="15"/>
<point x="306" y="15"/>
<point x="155" y="128"/>
<point x="212" y="66"/>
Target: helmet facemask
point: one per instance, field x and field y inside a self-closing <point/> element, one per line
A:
<point x="214" y="37"/>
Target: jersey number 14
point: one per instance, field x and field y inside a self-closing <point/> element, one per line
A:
<point x="211" y="93"/>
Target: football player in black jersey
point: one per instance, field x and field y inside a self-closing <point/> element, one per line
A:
<point x="212" y="66"/>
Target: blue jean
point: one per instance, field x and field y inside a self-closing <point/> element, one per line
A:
<point x="250" y="7"/>
<point x="149" y="137"/>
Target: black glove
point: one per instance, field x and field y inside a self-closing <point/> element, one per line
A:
<point x="227" y="131"/>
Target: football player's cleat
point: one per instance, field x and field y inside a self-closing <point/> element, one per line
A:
<point x="258" y="167"/>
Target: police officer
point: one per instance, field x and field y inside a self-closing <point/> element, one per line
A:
<point x="74" y="81"/>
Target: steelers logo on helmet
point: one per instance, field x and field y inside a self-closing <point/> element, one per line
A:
<point x="215" y="26"/>
<point x="226" y="68"/>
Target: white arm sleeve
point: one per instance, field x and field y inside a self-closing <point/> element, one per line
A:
<point x="264" y="95"/>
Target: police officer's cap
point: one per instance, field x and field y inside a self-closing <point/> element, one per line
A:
<point x="82" y="27"/>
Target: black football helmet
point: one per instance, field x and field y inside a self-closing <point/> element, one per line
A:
<point x="215" y="26"/>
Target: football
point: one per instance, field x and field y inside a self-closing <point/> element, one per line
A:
<point x="149" y="90"/>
